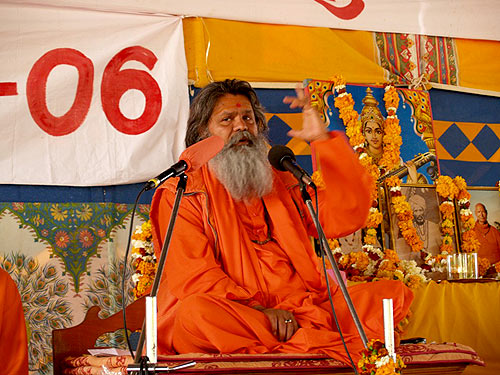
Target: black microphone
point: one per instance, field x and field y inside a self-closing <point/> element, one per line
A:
<point x="174" y="171"/>
<point x="191" y="158"/>
<point x="283" y="159"/>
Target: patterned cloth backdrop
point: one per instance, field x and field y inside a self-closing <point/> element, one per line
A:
<point x="407" y="56"/>
<point x="467" y="130"/>
<point x="65" y="258"/>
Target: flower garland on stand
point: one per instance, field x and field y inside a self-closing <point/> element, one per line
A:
<point x="470" y="243"/>
<point x="449" y="189"/>
<point x="143" y="259"/>
<point x="375" y="360"/>
<point x="404" y="214"/>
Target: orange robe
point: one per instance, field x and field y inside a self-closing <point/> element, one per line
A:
<point x="214" y="273"/>
<point x="489" y="237"/>
<point x="13" y="339"/>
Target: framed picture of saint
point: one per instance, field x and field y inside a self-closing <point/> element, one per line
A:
<point x="424" y="204"/>
<point x="485" y="207"/>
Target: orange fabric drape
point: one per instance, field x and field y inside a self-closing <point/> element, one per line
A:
<point x="13" y="339"/>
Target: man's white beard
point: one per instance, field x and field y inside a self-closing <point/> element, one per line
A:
<point x="243" y="169"/>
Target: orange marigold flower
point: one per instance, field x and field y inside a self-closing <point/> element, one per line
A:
<point x="497" y="267"/>
<point x="446" y="188"/>
<point x="483" y="265"/>
<point x="391" y="255"/>
<point x="393" y="181"/>
<point x="446" y="247"/>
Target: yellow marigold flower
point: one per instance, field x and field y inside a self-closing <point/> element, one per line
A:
<point x="375" y="217"/>
<point x="337" y="80"/>
<point x="317" y="178"/>
<point x="413" y="282"/>
<point x="460" y="183"/>
<point x="345" y="261"/>
<point x="447" y="223"/>
<point x="370" y="239"/>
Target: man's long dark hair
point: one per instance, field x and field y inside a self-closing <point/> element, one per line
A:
<point x="204" y="103"/>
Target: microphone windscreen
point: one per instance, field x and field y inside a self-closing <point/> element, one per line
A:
<point x="201" y="152"/>
<point x="276" y="155"/>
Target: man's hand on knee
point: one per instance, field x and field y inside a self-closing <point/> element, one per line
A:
<point x="283" y="323"/>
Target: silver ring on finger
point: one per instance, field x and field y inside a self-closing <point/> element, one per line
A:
<point x="288" y="321"/>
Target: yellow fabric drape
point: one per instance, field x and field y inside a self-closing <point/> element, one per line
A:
<point x="479" y="63"/>
<point x="260" y="52"/>
<point x="277" y="53"/>
<point x="468" y="314"/>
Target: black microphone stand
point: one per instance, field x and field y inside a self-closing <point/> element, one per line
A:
<point x="328" y="252"/>
<point x="141" y="364"/>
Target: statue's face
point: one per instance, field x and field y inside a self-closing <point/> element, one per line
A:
<point x="373" y="134"/>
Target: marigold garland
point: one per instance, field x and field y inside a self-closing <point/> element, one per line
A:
<point x="404" y="214"/>
<point x="470" y="243"/>
<point x="392" y="130"/>
<point x="375" y="360"/>
<point x="143" y="259"/>
<point x="450" y="189"/>
<point x="373" y="264"/>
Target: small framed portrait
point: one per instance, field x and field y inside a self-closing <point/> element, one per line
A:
<point x="489" y="198"/>
<point x="424" y="203"/>
<point x="485" y="207"/>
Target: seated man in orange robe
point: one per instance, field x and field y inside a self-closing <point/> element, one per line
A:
<point x="13" y="339"/>
<point x="241" y="275"/>
<point x="488" y="235"/>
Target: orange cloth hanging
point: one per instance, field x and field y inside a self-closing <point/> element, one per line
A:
<point x="13" y="339"/>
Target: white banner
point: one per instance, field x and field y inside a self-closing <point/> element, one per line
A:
<point x="89" y="98"/>
<point x="476" y="19"/>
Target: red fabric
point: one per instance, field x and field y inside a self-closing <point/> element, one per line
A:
<point x="489" y="237"/>
<point x="13" y="339"/>
<point x="214" y="272"/>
